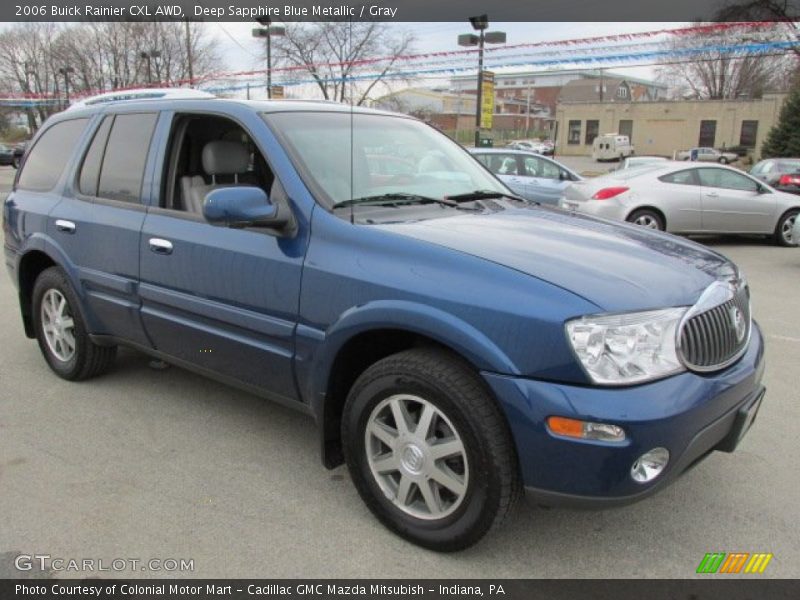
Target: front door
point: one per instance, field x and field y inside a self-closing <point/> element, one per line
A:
<point x="218" y="298"/>
<point x="732" y="202"/>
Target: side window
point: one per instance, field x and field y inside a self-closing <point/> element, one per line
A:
<point x="536" y="167"/>
<point x="483" y="159"/>
<point x="49" y="156"/>
<point x="502" y="164"/>
<point x="126" y="153"/>
<point x="723" y="178"/>
<point x="681" y="177"/>
<point x="90" y="169"/>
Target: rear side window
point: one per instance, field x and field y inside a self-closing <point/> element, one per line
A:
<point x="49" y="156"/>
<point x="126" y="154"/>
<point x="90" y="170"/>
<point x="681" y="177"/>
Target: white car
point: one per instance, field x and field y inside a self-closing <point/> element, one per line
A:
<point x="688" y="199"/>
<point x="708" y="155"/>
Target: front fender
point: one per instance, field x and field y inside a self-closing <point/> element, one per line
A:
<point x="317" y="350"/>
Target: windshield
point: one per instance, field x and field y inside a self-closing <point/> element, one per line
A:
<point x="353" y="157"/>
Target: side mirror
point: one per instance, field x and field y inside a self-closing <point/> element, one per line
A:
<point x="240" y="206"/>
<point x="761" y="189"/>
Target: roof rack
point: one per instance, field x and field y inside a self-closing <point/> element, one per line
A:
<point x="141" y="94"/>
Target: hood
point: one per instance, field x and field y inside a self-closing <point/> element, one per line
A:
<point x="616" y="266"/>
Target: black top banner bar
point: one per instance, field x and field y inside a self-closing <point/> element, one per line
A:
<point x="400" y="10"/>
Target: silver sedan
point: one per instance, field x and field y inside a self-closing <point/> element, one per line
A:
<point x="688" y="199"/>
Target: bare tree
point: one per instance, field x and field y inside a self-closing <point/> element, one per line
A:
<point x="330" y="53"/>
<point x="717" y="73"/>
<point x="102" y="56"/>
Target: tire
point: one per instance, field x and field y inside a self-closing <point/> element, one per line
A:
<point x="84" y="359"/>
<point x="723" y="160"/>
<point x="15" y="162"/>
<point x="648" y="218"/>
<point x="433" y="382"/>
<point x="783" y="230"/>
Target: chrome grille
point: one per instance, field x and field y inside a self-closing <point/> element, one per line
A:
<point x="716" y="337"/>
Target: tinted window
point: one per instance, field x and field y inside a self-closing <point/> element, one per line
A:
<point x="90" y="170"/>
<point x="681" y="177"/>
<point x="126" y="154"/>
<point x="502" y="164"/>
<point x="48" y="157"/>
<point x="722" y="178"/>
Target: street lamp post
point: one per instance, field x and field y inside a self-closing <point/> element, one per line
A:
<point x="480" y="24"/>
<point x="267" y="30"/>
<point x="65" y="71"/>
<point x="149" y="56"/>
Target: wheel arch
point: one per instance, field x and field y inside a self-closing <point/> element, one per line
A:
<point x="360" y="340"/>
<point x="31" y="265"/>
<point x="658" y="211"/>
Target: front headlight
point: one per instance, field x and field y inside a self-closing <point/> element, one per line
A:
<point x="627" y="348"/>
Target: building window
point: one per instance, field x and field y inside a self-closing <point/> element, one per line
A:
<point x="574" y="132"/>
<point x="622" y="92"/>
<point x="708" y="133"/>
<point x="592" y="131"/>
<point x="749" y="132"/>
<point x="626" y="128"/>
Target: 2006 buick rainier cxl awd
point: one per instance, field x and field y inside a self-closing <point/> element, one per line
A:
<point x="454" y="343"/>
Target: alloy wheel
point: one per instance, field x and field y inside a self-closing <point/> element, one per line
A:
<point x="417" y="457"/>
<point x="58" y="325"/>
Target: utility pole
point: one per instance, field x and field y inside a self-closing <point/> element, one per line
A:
<point x="65" y="71"/>
<point x="528" y="113"/>
<point x="189" y="53"/>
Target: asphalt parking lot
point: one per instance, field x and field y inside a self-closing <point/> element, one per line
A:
<point x="144" y="464"/>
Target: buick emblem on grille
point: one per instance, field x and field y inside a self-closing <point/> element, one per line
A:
<point x="738" y="322"/>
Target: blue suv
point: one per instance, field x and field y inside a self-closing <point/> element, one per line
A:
<point x="454" y="343"/>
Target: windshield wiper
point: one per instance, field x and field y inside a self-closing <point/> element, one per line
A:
<point x="487" y="195"/>
<point x="395" y="199"/>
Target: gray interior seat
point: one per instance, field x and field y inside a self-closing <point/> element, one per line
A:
<point x="219" y="158"/>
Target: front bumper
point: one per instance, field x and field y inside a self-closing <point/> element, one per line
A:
<point x="689" y="414"/>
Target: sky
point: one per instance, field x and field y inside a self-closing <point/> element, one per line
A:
<point x="240" y="51"/>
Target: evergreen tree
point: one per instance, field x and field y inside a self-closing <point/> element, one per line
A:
<point x="784" y="137"/>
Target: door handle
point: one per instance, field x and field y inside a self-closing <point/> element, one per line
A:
<point x="160" y="246"/>
<point x="65" y="226"/>
<point x="712" y="194"/>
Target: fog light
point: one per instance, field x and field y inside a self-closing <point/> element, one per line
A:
<point x="586" y="430"/>
<point x="649" y="465"/>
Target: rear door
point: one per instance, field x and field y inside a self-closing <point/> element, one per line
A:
<point x="543" y="179"/>
<point x="100" y="220"/>
<point x="733" y="204"/>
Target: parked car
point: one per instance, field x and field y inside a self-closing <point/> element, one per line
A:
<point x="638" y="161"/>
<point x="18" y="153"/>
<point x="611" y="146"/>
<point x="535" y="146"/>
<point x="781" y="173"/>
<point x="530" y="175"/>
<point x="453" y="343"/>
<point x="681" y="199"/>
<point x="6" y="155"/>
<point x="708" y="155"/>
